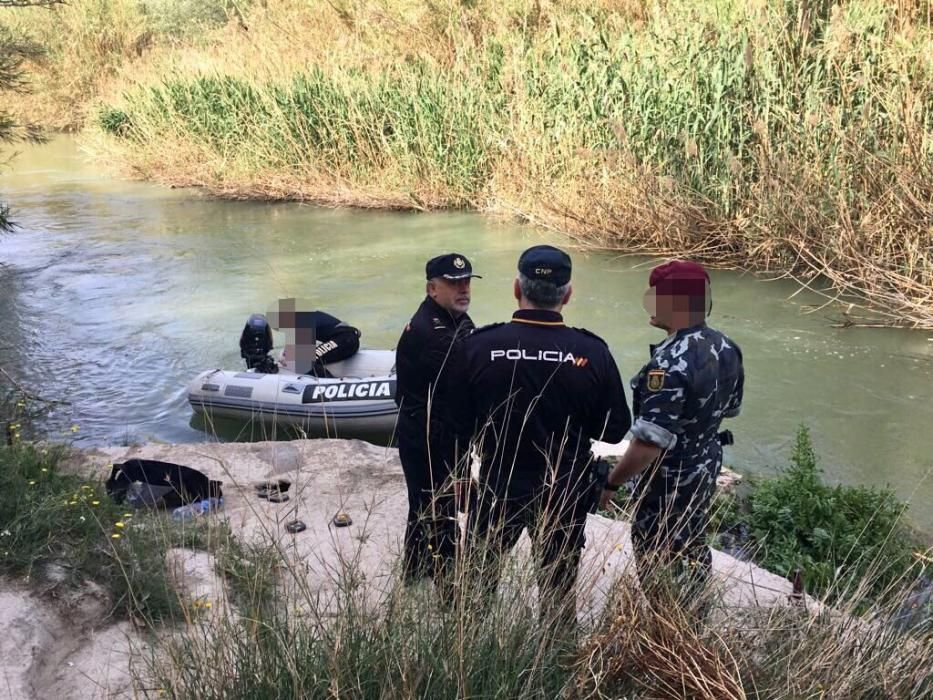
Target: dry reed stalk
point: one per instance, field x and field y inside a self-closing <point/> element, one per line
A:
<point x="784" y="228"/>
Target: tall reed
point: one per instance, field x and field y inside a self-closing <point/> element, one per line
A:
<point x="786" y="136"/>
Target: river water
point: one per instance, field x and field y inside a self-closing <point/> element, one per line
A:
<point x="114" y="294"/>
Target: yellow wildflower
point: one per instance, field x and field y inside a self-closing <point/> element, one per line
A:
<point x="115" y="536"/>
<point x="119" y="523"/>
<point x="95" y="503"/>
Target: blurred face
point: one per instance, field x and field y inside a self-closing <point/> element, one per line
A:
<point x="671" y="312"/>
<point x="453" y="295"/>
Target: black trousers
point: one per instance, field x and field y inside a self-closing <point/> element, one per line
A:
<point x="431" y="530"/>
<point x="556" y="526"/>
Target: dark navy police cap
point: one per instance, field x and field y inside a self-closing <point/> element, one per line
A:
<point x="547" y="263"/>
<point x="451" y="266"/>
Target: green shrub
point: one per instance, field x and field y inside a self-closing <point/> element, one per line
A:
<point x="842" y="538"/>
<point x="114" y="121"/>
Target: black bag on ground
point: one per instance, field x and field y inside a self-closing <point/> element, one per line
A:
<point x="160" y="484"/>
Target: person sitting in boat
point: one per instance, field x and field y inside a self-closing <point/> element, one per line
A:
<point x="314" y="339"/>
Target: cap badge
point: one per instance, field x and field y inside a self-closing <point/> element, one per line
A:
<point x="655" y="379"/>
<point x="459" y="263"/>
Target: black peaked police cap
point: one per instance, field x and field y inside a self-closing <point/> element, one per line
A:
<point x="451" y="266"/>
<point x="546" y="263"/>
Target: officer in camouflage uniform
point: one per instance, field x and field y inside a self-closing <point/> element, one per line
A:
<point x="693" y="380"/>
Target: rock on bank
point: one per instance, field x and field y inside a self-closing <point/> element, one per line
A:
<point x="366" y="482"/>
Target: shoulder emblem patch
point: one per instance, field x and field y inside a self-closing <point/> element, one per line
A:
<point x="655" y="379"/>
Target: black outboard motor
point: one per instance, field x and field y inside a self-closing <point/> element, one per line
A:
<point x="255" y="344"/>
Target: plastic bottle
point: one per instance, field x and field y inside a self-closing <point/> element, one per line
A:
<point x="193" y="510"/>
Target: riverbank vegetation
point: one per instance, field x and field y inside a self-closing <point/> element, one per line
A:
<point x="346" y="636"/>
<point x="788" y="136"/>
<point x="848" y="543"/>
<point x="61" y="531"/>
<point x="402" y="644"/>
<point x="284" y="635"/>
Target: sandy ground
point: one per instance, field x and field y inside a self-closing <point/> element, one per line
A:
<point x="53" y="651"/>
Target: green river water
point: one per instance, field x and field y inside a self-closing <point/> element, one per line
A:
<point x="114" y="294"/>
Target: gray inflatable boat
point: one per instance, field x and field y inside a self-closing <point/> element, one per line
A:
<point x="358" y="400"/>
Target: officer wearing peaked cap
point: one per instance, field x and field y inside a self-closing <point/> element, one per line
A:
<point x="533" y="393"/>
<point x="426" y="444"/>
<point x="693" y="380"/>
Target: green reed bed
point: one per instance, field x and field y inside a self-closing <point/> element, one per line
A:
<point x="418" y="125"/>
<point x="792" y="136"/>
<point x="403" y="649"/>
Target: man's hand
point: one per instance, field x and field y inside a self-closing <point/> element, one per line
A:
<point x="633" y="461"/>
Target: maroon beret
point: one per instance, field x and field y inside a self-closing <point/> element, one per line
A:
<point x="679" y="277"/>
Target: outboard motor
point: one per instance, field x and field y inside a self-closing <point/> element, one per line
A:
<point x="256" y="343"/>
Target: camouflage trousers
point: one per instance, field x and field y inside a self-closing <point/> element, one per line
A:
<point x="669" y="527"/>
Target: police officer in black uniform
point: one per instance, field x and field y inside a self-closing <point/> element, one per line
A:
<point x="535" y="392"/>
<point x="693" y="380"/>
<point x="426" y="442"/>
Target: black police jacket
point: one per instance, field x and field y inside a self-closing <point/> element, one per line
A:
<point x="423" y="360"/>
<point x="533" y="393"/>
<point x="325" y="326"/>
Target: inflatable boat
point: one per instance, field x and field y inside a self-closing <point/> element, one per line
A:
<point x="358" y="399"/>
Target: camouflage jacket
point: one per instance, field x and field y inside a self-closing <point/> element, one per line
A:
<point x="693" y="380"/>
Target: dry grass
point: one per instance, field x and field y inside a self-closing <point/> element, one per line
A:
<point x="351" y="637"/>
<point x="656" y="647"/>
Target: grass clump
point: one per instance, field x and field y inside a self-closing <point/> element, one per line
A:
<point x="359" y="636"/>
<point x="114" y="121"/>
<point x="353" y="638"/>
<point x="651" y="649"/>
<point x="61" y="530"/>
